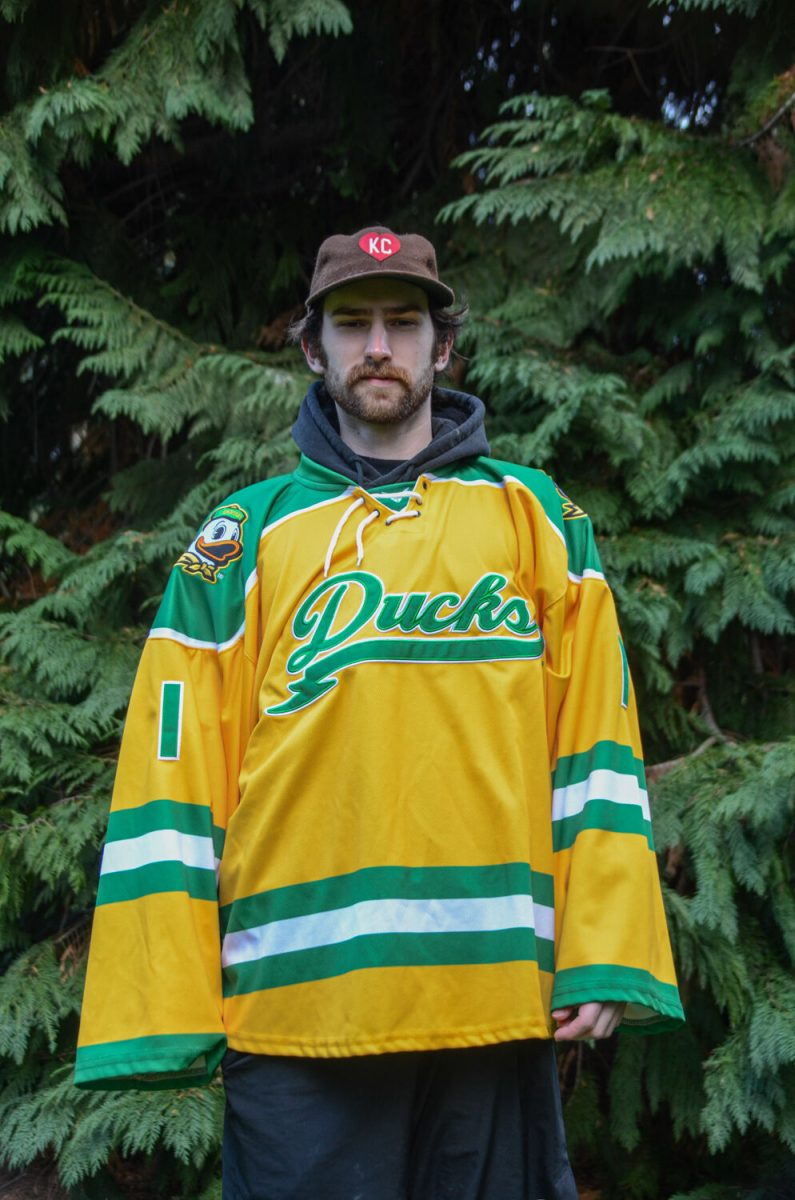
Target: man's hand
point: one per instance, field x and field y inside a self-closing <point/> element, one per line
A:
<point x="581" y="1021"/>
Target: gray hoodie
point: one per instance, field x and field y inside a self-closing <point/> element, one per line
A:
<point x="456" y="421"/>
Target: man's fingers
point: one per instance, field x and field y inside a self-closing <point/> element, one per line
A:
<point x="605" y="1023"/>
<point x="576" y="1028"/>
<point x="593" y="1020"/>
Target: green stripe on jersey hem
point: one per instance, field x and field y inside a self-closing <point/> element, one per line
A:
<point x="198" y="882"/>
<point x="378" y="950"/>
<point x="604" y="815"/>
<point x="164" y="814"/>
<point x="150" y="1063"/>
<point x="387" y="883"/>
<point x="602" y="756"/>
<point x="631" y="985"/>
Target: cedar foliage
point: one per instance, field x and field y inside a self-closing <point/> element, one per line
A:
<point x="623" y="228"/>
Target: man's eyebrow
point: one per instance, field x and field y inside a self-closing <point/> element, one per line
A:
<point x="393" y="310"/>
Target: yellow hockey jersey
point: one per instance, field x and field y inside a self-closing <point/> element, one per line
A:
<point x="380" y="786"/>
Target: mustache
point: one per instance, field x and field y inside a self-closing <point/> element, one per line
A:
<point x="362" y="371"/>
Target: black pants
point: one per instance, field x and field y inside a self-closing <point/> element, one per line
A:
<point x="476" y="1124"/>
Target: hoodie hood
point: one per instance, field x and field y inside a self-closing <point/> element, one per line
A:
<point x="457" y="432"/>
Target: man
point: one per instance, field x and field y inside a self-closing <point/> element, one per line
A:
<point x="386" y="697"/>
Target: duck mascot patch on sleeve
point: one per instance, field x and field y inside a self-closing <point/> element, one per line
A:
<point x="218" y="543"/>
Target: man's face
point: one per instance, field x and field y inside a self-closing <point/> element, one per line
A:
<point x="378" y="350"/>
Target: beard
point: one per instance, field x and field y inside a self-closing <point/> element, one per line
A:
<point x="355" y="397"/>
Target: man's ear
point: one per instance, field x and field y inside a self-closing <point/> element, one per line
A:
<point x="443" y="355"/>
<point x="314" y="362"/>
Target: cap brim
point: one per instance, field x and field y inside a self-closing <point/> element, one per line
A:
<point x="439" y="292"/>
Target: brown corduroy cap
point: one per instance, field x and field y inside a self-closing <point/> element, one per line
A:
<point x="380" y="252"/>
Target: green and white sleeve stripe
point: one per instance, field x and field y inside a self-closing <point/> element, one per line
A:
<point x="601" y="788"/>
<point x="162" y="846"/>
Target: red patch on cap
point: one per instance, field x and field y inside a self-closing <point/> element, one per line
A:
<point x="379" y="245"/>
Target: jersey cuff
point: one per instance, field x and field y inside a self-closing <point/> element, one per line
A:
<point x="652" y="1006"/>
<point x="150" y="1063"/>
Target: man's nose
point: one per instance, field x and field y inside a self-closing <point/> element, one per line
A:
<point x="377" y="347"/>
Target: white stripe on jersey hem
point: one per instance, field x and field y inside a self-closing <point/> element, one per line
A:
<point x="381" y="916"/>
<point x="174" y="635"/>
<point x="544" y="921"/>
<point x="600" y="785"/>
<point x="588" y="573"/>
<point x="161" y="845"/>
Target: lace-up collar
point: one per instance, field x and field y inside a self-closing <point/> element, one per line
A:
<point x="374" y="511"/>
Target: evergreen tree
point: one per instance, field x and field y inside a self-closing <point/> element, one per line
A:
<point x="646" y="338"/>
<point x="627" y="242"/>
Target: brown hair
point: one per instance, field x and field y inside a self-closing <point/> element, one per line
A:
<point x="447" y="323"/>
